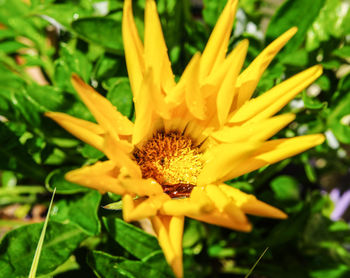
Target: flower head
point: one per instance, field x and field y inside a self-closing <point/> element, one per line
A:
<point x="190" y="136"/>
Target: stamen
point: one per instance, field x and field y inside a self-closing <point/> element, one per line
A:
<point x="171" y="159"/>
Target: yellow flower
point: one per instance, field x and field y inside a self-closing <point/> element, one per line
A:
<point x="191" y="136"/>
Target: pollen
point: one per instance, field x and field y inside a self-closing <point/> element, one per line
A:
<point x="172" y="160"/>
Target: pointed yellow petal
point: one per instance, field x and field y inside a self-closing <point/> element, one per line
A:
<point x="260" y="131"/>
<point x="86" y="131"/>
<point x="144" y="111"/>
<point x="156" y="54"/>
<point x="216" y="77"/>
<point x="179" y="207"/>
<point x="274" y="151"/>
<point x="176" y="227"/>
<point x="176" y="94"/>
<point x="224" y="204"/>
<point x="281" y="102"/>
<point x="217" y="196"/>
<point x="220" y="160"/>
<point x="118" y="152"/>
<point x="249" y="204"/>
<point x="157" y="97"/>
<point x="193" y="95"/>
<point x="249" y="79"/>
<point x="104" y="112"/>
<point x="133" y="48"/>
<point x="128" y="206"/>
<point x="197" y="204"/>
<point x="259" y="208"/>
<point x="142" y="187"/>
<point x="216" y="48"/>
<point x="237" y="195"/>
<point x="144" y="209"/>
<point x="169" y="230"/>
<point x="102" y="176"/>
<point x="222" y="219"/>
<point x="275" y="99"/>
<point x="271" y="126"/>
<point x="227" y="90"/>
<point x="147" y="104"/>
<point x="199" y="196"/>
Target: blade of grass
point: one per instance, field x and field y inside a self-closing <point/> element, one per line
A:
<point x="256" y="263"/>
<point x="36" y="258"/>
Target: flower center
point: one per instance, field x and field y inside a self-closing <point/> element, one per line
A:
<point x="172" y="160"/>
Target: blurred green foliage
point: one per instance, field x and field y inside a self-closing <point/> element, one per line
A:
<point x="42" y="43"/>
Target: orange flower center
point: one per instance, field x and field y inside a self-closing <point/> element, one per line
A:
<point x="172" y="160"/>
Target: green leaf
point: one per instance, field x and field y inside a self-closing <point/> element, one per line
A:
<point x="121" y="96"/>
<point x="312" y="102"/>
<point x="15" y="157"/>
<point x="56" y="180"/>
<point x="339" y="271"/>
<point x="343" y="52"/>
<point x="80" y="210"/>
<point x="26" y="106"/>
<point x="212" y="11"/>
<point x="298" y="58"/>
<point x="105" y="265"/>
<point x="290" y="14"/>
<point x="288" y="230"/>
<point x="18" y="247"/>
<point x="339" y="120"/>
<point x="91" y="152"/>
<point x="6" y="34"/>
<point x="140" y="269"/>
<point x="286" y="188"/>
<point x="114" y="206"/>
<point x="193" y="233"/>
<point x="11" y="46"/>
<point x="71" y="61"/>
<point x="63" y="13"/>
<point x="332" y="21"/>
<point x="107" y="67"/>
<point x="102" y="31"/>
<point x="133" y="239"/>
<point x="45" y="98"/>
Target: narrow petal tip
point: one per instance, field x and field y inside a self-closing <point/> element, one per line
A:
<point x="292" y="31"/>
<point x="259" y="208"/>
<point x="319" y="139"/>
<point x="49" y="114"/>
<point x="77" y="81"/>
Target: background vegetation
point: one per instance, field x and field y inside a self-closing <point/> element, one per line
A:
<point x="42" y="42"/>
